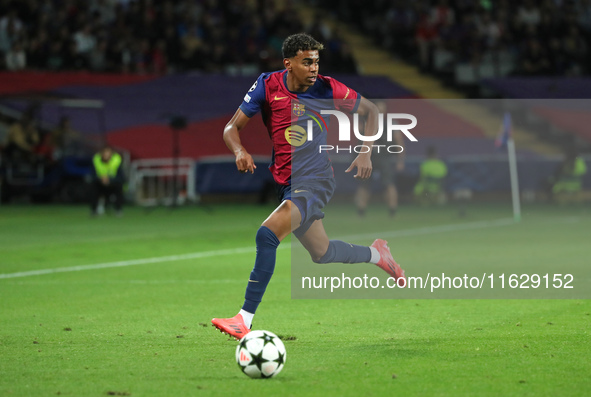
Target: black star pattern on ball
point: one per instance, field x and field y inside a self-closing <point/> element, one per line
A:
<point x="281" y="359"/>
<point x="267" y="338"/>
<point x="258" y="360"/>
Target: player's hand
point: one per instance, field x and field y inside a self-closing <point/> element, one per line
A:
<point x="244" y="162"/>
<point x="363" y="164"/>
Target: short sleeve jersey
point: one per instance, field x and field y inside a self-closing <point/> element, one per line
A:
<point x="286" y="115"/>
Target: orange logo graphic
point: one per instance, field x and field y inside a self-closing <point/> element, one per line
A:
<point x="244" y="357"/>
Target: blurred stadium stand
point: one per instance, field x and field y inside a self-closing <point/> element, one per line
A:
<point x="148" y="61"/>
<point x="465" y="41"/>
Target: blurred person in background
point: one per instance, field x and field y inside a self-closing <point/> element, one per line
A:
<point x="8" y="35"/>
<point x="159" y="58"/>
<point x="55" y="58"/>
<point x="384" y="169"/>
<point x="429" y="188"/>
<point x="74" y="60"/>
<point x="472" y="31"/>
<point x="15" y="58"/>
<point x="85" y="40"/>
<point x="22" y="141"/>
<point x="107" y="180"/>
<point x="37" y="51"/>
<point x="97" y="58"/>
<point x="567" y="182"/>
<point x="61" y="140"/>
<point x="535" y="59"/>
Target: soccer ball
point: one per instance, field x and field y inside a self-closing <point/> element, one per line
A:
<point x="260" y="354"/>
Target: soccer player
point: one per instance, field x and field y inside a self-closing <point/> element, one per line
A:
<point x="387" y="173"/>
<point x="301" y="205"/>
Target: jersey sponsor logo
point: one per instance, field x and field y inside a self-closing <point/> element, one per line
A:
<point x="247" y="98"/>
<point x="299" y="109"/>
<point x="278" y="98"/>
<point x="295" y="135"/>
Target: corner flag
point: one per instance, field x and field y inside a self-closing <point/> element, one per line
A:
<point x="505" y="139"/>
<point x="505" y="133"/>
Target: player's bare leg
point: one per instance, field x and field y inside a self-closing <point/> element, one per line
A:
<point x="392" y="199"/>
<point x="362" y="199"/>
<point x="284" y="219"/>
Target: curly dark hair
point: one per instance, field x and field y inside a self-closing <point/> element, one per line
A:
<point x="297" y="42"/>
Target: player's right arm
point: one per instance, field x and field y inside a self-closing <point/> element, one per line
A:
<point x="251" y="105"/>
<point x="244" y="161"/>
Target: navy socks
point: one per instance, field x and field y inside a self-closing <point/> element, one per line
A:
<point x="264" y="265"/>
<point x="339" y="251"/>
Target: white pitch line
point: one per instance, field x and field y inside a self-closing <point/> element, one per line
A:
<point x="454" y="227"/>
<point x="244" y="250"/>
<point x="133" y="262"/>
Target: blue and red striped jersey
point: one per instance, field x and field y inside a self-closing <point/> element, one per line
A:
<point x="285" y="114"/>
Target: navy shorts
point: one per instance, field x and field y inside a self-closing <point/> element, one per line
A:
<point x="310" y="196"/>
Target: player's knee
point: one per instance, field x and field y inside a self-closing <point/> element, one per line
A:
<point x="266" y="238"/>
<point x="317" y="258"/>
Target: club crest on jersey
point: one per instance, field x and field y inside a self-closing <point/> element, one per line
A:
<point x="299" y="109"/>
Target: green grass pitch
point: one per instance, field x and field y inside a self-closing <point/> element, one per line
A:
<point x="144" y="329"/>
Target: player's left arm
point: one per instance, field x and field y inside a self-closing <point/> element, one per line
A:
<point x="369" y="111"/>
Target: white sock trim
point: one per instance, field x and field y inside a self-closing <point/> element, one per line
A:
<point x="375" y="255"/>
<point x="247" y="317"/>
